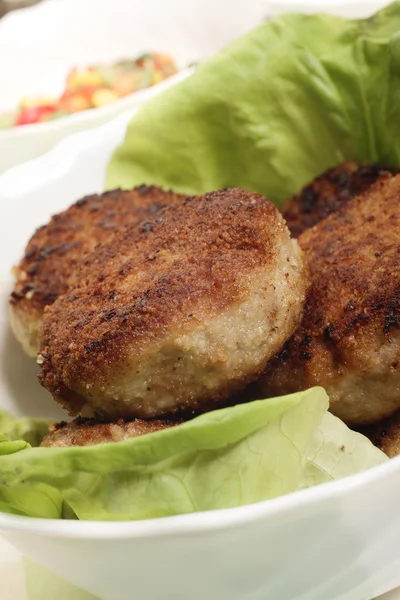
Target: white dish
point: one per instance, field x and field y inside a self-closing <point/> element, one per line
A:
<point x="339" y="540"/>
<point x="39" y="45"/>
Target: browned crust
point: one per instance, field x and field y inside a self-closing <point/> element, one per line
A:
<point x="170" y="274"/>
<point x="55" y="249"/>
<point x="89" y="432"/>
<point x="353" y="306"/>
<point x="328" y="193"/>
<point x="386" y="435"/>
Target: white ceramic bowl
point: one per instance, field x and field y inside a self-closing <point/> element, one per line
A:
<point x="336" y="541"/>
<point x="39" y="45"/>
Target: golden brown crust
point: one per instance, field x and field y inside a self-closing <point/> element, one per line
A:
<point x="386" y="435"/>
<point x="350" y="328"/>
<point x="89" y="432"/>
<point x="168" y="275"/>
<point x="328" y="193"/>
<point x="54" y="251"/>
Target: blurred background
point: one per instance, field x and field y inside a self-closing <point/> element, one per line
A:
<point x="8" y="5"/>
<point x="72" y="65"/>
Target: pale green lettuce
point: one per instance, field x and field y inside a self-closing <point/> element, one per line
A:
<point x="336" y="451"/>
<point x="23" y="431"/>
<point x="225" y="458"/>
<point x="272" y="110"/>
<point x="25" y="498"/>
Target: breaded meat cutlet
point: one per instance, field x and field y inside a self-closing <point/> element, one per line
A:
<point x="89" y="432"/>
<point x="55" y="249"/>
<point x="349" y="340"/>
<point x="386" y="435"/>
<point x="328" y="193"/>
<point x="177" y="314"/>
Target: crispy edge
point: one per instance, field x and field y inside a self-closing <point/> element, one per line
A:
<point x="54" y="251"/>
<point x="329" y="192"/>
<point x="90" y="432"/>
<point x="385" y="435"/>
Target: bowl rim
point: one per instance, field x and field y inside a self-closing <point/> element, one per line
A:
<point x="200" y="523"/>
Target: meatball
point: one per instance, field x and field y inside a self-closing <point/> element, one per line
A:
<point x="348" y="340"/>
<point x="328" y="193"/>
<point x="55" y="249"/>
<point x="89" y="432"/>
<point x="178" y="313"/>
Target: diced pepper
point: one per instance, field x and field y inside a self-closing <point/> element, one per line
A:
<point x="74" y="102"/>
<point x="104" y="96"/>
<point x="37" y="102"/>
<point x="126" y="83"/>
<point x="157" y="77"/>
<point x="79" y="78"/>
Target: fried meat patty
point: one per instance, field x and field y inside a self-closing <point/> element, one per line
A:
<point x="55" y="250"/>
<point x="386" y="435"/>
<point x="89" y="432"/>
<point x="348" y="340"/>
<point x="328" y="193"/>
<point x="177" y="314"/>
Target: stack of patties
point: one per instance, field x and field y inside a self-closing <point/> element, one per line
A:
<point x="170" y="315"/>
<point x="149" y="308"/>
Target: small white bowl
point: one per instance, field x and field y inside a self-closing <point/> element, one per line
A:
<point x="338" y="540"/>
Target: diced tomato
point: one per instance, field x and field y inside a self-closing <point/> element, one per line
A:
<point x="75" y="101"/>
<point x="158" y="62"/>
<point x="28" y="116"/>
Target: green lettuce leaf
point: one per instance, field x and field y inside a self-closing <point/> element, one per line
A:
<point x="225" y="458"/>
<point x="336" y="451"/>
<point x="26" y="498"/>
<point x="297" y="95"/>
<point x="25" y="429"/>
